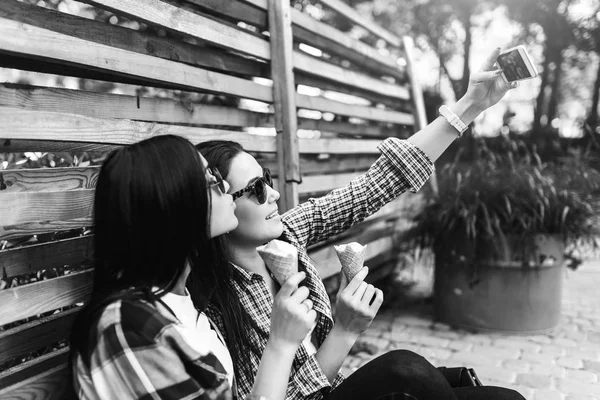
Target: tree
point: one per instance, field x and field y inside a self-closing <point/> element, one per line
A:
<point x="551" y="18"/>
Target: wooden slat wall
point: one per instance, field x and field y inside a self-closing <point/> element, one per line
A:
<point x="357" y="95"/>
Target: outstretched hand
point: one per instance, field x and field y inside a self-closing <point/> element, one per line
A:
<point x="486" y="86"/>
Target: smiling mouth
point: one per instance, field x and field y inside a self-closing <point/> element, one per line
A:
<point x="273" y="215"/>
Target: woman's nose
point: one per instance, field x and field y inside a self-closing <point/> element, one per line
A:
<point x="273" y="194"/>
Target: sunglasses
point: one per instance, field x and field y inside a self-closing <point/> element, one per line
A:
<point x="219" y="183"/>
<point x="257" y="188"/>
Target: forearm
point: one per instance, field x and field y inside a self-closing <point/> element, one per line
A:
<point x="273" y="373"/>
<point x="334" y="351"/>
<point x="436" y="137"/>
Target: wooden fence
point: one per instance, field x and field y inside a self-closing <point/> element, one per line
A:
<point x="330" y="99"/>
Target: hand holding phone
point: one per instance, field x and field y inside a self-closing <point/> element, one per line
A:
<point x="516" y="64"/>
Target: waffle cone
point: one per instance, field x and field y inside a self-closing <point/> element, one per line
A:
<point x="352" y="258"/>
<point x="281" y="258"/>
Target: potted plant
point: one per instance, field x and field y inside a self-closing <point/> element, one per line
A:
<point x="499" y="227"/>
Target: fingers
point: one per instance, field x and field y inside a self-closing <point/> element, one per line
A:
<point x="489" y="62"/>
<point x="308" y="304"/>
<point x="378" y="301"/>
<point x="291" y="284"/>
<point x="368" y="295"/>
<point x="482" y="76"/>
<point x="357" y="280"/>
<point x="300" y="295"/>
<point x="360" y="292"/>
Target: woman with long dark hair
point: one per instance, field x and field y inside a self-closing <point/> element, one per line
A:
<point x="403" y="165"/>
<point x="158" y="213"/>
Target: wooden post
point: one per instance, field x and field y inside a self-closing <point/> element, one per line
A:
<point x="284" y="102"/>
<point x="417" y="98"/>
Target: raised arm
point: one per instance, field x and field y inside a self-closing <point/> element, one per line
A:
<point x="403" y="165"/>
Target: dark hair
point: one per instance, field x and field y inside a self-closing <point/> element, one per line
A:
<point x="236" y="320"/>
<point x="151" y="217"/>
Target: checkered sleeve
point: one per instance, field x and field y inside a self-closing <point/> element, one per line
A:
<point x="401" y="167"/>
<point x="309" y="382"/>
<point x="133" y="363"/>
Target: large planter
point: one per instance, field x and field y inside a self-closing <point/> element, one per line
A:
<point x="519" y="291"/>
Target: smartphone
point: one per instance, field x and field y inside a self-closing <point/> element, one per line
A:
<point x="516" y="64"/>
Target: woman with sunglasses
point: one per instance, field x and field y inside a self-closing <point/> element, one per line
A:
<point x="158" y="215"/>
<point x="403" y="165"/>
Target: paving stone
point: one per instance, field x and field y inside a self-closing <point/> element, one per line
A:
<point x="546" y="359"/>
<point x="540" y="339"/>
<point x="440" y="326"/>
<point x="583" y="376"/>
<point x="570" y="362"/>
<point x="553" y="350"/>
<point x="518" y="366"/>
<point x="502" y="354"/>
<point x="430" y="341"/>
<point x="448" y="335"/>
<point x="517" y="344"/>
<point x="549" y="370"/>
<point x="591" y="355"/>
<point x="437" y="353"/>
<point x="594" y="337"/>
<point x="565" y="342"/>
<point x="478" y="339"/>
<point x="471" y="359"/>
<point x="581" y="397"/>
<point x="498" y="374"/>
<point x="413" y="320"/>
<point x="535" y="381"/>
<point x="460" y="345"/>
<point x="569" y="386"/>
<point x="397" y="336"/>
<point x="592" y="366"/>
<point x="548" y="394"/>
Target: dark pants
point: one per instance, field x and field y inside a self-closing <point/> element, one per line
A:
<point x="403" y="372"/>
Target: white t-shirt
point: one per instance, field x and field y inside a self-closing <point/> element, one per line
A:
<point x="184" y="310"/>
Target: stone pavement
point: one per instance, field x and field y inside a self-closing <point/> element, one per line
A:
<point x="563" y="364"/>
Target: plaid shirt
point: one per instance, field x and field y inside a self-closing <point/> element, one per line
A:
<point x="143" y="352"/>
<point x="401" y="167"/>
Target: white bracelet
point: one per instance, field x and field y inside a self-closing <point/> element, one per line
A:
<point x="453" y="119"/>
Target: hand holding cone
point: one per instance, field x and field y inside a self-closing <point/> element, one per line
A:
<point x="352" y="258"/>
<point x="281" y="258"/>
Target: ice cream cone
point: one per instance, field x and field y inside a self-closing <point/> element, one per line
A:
<point x="281" y="258"/>
<point x="352" y="258"/>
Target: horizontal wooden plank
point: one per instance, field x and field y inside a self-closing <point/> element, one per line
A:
<point x="185" y="22"/>
<point x="21" y="208"/>
<point x="347" y="77"/>
<point x="325" y="183"/>
<point x="179" y="20"/>
<point x="40" y="44"/>
<point x="34" y="228"/>
<point x="322" y="36"/>
<point x="350" y="110"/>
<point x="28" y="125"/>
<point x="8" y="145"/>
<point x="42" y="378"/>
<point x="351" y="14"/>
<point x="132" y="40"/>
<point x="104" y="105"/>
<point x="35" y="335"/>
<point x="36" y="298"/>
<point x="53" y="384"/>
<point x="48" y="179"/>
<point x="327" y="85"/>
<point x="24" y="260"/>
<point x="311" y="165"/>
